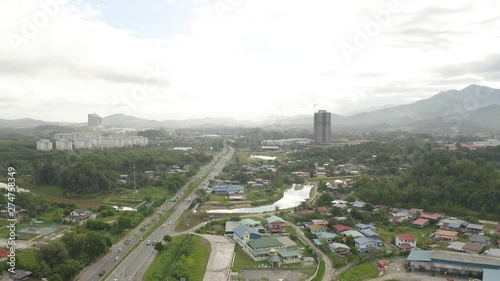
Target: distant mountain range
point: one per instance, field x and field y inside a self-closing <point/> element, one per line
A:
<point x="470" y="109"/>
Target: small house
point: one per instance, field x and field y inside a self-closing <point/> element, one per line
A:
<point x="420" y="223"/>
<point x="276" y="224"/>
<point x="406" y="241"/>
<point x="339" y="248"/>
<point x="480" y="239"/>
<point x="339" y="228"/>
<point x="365" y="244"/>
<point x="446" y="235"/>
<point x="326" y="236"/>
<point x="474" y="228"/>
<point x="473" y="248"/>
<point x="317" y="228"/>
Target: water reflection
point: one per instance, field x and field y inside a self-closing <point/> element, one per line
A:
<point x="291" y="198"/>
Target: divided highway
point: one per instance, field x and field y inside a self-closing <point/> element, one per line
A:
<point x="133" y="266"/>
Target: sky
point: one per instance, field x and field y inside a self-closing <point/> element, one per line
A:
<point x="246" y="59"/>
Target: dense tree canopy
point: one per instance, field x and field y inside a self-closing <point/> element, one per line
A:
<point x="439" y="181"/>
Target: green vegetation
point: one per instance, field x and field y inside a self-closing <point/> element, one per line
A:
<point x="69" y="255"/>
<point x="186" y="256"/>
<point x="242" y="261"/>
<point x="321" y="270"/>
<point x="462" y="186"/>
<point x="94" y="171"/>
<point x="26" y="259"/>
<point x="360" y="272"/>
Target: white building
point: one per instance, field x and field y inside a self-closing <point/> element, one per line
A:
<point x="406" y="241"/>
<point x="84" y="140"/>
<point x="64" y="144"/>
<point x="44" y="144"/>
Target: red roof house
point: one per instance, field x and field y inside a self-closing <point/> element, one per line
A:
<point x="4" y="252"/>
<point x="406" y="241"/>
<point x="420" y="223"/>
<point x="339" y="228"/>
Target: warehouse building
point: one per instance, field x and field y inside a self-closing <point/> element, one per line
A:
<point x="452" y="263"/>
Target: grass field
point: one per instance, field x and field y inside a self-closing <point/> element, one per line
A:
<point x="127" y="197"/>
<point x="26" y="259"/>
<point x="242" y="260"/>
<point x="244" y="157"/>
<point x="201" y="252"/>
<point x="387" y="233"/>
<point x="188" y="220"/>
<point x="360" y="272"/>
<point x="196" y="261"/>
<point x="55" y="193"/>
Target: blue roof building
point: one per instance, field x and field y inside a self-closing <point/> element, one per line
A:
<point x="366" y="244"/>
<point x="228" y="189"/>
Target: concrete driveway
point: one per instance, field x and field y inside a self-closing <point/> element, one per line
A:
<point x="221" y="257"/>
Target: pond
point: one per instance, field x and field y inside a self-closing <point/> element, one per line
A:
<point x="291" y="198"/>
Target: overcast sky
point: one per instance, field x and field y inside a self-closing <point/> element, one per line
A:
<point x="164" y="59"/>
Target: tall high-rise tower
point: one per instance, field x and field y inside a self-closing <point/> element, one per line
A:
<point x="94" y="120"/>
<point x="322" y="127"/>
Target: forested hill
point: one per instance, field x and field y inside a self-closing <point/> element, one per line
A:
<point x="448" y="181"/>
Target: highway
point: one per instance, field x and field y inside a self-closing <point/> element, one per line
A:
<point x="133" y="266"/>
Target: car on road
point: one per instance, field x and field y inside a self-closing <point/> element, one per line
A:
<point x="102" y="272"/>
<point x="154" y="242"/>
<point x="148" y="242"/>
<point x="119" y="250"/>
<point x="117" y="258"/>
<point x="169" y="223"/>
<point x="163" y="225"/>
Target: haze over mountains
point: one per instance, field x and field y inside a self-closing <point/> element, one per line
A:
<point x="470" y="109"/>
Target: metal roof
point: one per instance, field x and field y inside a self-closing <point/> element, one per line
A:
<point x="491" y="275"/>
<point x="473" y="260"/>
<point x="419" y="255"/>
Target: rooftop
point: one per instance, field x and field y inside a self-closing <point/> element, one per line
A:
<point x="442" y="232"/>
<point x="240" y="230"/>
<point x="475" y="226"/>
<point x="364" y="240"/>
<point x="264" y="243"/>
<point x="466" y="258"/>
<point x="420" y="221"/>
<point x="231" y="225"/>
<point x="326" y="235"/>
<point x="407" y="237"/>
<point x="491" y="274"/>
<point x="338" y="245"/>
<point x="419" y="255"/>
<point x="353" y="233"/>
<point x="274" y="218"/>
<point x="285" y="241"/>
<point x="479" y="238"/>
<point x="317" y="226"/>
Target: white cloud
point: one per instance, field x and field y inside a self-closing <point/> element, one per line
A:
<point x="263" y="57"/>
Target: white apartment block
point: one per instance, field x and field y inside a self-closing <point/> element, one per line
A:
<point x="64" y="144"/>
<point x="82" y="141"/>
<point x="44" y="144"/>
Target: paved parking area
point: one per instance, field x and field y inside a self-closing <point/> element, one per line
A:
<point x="271" y="275"/>
<point x="221" y="256"/>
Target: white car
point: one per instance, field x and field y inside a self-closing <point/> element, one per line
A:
<point x="148" y="242"/>
<point x="163" y="225"/>
<point x="117" y="258"/>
